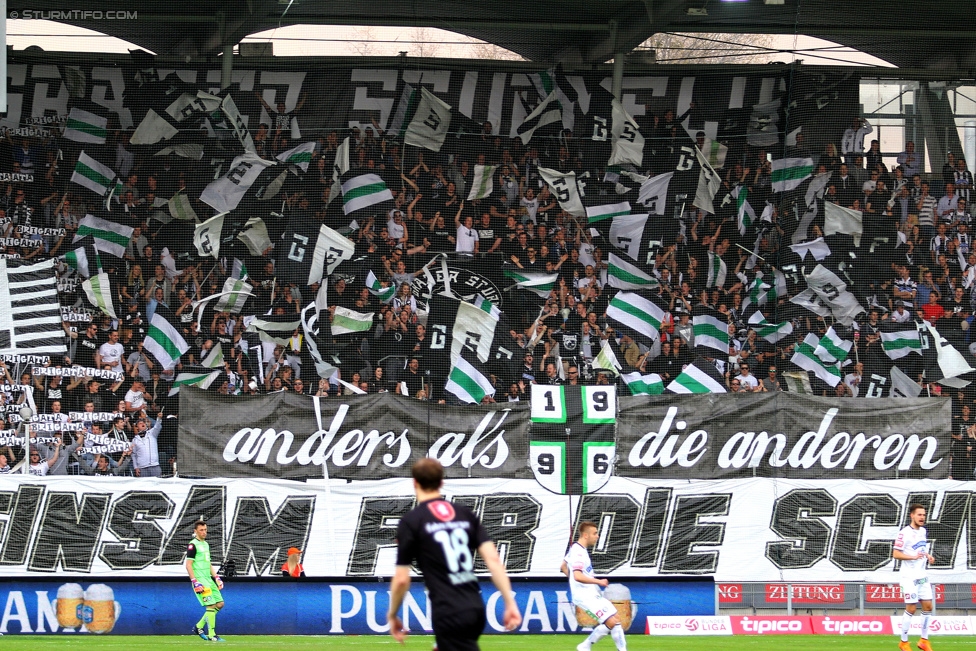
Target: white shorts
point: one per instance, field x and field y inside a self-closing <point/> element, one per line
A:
<point x="915" y="590"/>
<point x="599" y="608"/>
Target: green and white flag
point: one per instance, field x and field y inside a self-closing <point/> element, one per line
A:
<point x="339" y="168"/>
<point x="596" y="214"/>
<point x="744" y="209"/>
<point x="636" y="315"/>
<point x="345" y="321"/>
<point x="109" y="237"/>
<point x="650" y="384"/>
<point x="92" y="174"/>
<point x="832" y="348"/>
<point x="711" y="329"/>
<point x="99" y="293"/>
<point x="385" y="294"/>
<point x="82" y="126"/>
<point x="487" y="307"/>
<point x="606" y="359"/>
<point x="429" y="122"/>
<point x="805" y="358"/>
<point x="163" y="340"/>
<point x="83" y="256"/>
<point x="363" y="191"/>
<point x="180" y="208"/>
<point x="900" y="339"/>
<point x="700" y="376"/>
<point x="239" y="270"/>
<point x="255" y="236"/>
<point x="623" y="273"/>
<point x="771" y="332"/>
<point x="481" y="182"/>
<point x="299" y="156"/>
<point x="235" y="294"/>
<point x="201" y="378"/>
<point x="715" y="152"/>
<point x="537" y="283"/>
<point x="467" y="381"/>
<point x="717" y="271"/>
<point x="788" y="173"/>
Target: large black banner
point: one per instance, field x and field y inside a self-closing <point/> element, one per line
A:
<point x="339" y="96"/>
<point x="685" y="437"/>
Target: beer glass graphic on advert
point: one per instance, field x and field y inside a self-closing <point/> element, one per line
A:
<point x="100" y="610"/>
<point x="69" y="603"/>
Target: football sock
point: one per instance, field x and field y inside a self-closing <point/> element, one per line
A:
<point x="906" y="624"/>
<point x="203" y="620"/>
<point x="211" y="616"/>
<point x="617" y="633"/>
<point x="598" y="632"/>
<point x="926" y="616"/>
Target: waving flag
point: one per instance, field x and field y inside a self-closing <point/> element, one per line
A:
<point x="638" y="315"/>
<point x="711" y="329"/>
<point x="838" y="219"/>
<point x="163" y="340"/>
<point x="109" y="237"/>
<point x="805" y="358"/>
<point x="427" y="121"/>
<point x="541" y="284"/>
<point x="82" y="126"/>
<point x="224" y="194"/>
<point x="744" y="209"/>
<point x="627" y="143"/>
<point x="623" y="272"/>
<point x="900" y="339"/>
<point x="653" y="193"/>
<point x="385" y="294"/>
<point x="364" y="192"/>
<point x="468" y="379"/>
<point x="771" y="332"/>
<point x="788" y="173"/>
<point x="99" y="292"/>
<point x="481" y="182"/>
<point x="83" y="256"/>
<point x="700" y="376"/>
<point x="832" y="348"/>
<point x="603" y="212"/>
<point x="92" y="174"/>
<point x="345" y="321"/>
<point x="546" y="113"/>
<point x="565" y="189"/>
<point x="650" y="384"/>
<point x="299" y="156"/>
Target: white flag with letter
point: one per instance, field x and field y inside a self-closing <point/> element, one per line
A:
<point x="627" y="146"/>
<point x="653" y="193"/>
<point x="566" y="190"/>
<point x="430" y="122"/>
<point x="206" y="236"/>
<point x="224" y="194"/>
<point x="708" y="184"/>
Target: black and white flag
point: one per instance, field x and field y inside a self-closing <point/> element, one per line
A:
<point x="30" y="315"/>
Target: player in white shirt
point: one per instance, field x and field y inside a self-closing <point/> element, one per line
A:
<point x="911" y="548"/>
<point x="585" y="589"/>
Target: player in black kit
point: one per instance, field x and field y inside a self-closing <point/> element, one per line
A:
<point x="443" y="537"/>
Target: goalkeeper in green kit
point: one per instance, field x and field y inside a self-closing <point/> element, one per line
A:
<point x="206" y="583"/>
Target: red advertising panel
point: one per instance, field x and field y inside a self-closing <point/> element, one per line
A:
<point x="852" y="625"/>
<point x="890" y="593"/>
<point x="731" y="593"/>
<point x="832" y="593"/>
<point x="771" y="625"/>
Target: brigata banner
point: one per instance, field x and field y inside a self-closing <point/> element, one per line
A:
<point x="379" y="436"/>
<point x="771" y="531"/>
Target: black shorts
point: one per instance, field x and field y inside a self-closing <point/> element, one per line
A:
<point x="459" y="630"/>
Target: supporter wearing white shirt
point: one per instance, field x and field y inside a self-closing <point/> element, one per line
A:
<point x="947" y="204"/>
<point x="110" y="353"/>
<point x="467" y="236"/>
<point x="745" y="378"/>
<point x="134" y="397"/>
<point x="901" y="315"/>
<point x="853" y="141"/>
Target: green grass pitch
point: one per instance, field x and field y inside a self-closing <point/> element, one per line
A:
<point x="488" y="643"/>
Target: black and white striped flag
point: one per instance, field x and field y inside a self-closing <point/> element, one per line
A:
<point x="30" y="315"/>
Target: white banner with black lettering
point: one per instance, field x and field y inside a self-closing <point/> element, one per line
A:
<point x="733" y="530"/>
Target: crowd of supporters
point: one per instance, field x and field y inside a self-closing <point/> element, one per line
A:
<point x="931" y="274"/>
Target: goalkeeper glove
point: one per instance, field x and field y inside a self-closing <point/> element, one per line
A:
<point x="197" y="586"/>
<point x="220" y="584"/>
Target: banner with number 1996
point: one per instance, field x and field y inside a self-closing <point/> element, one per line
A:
<point x="571" y="447"/>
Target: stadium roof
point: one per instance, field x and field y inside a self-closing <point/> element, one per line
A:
<point x="908" y="35"/>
